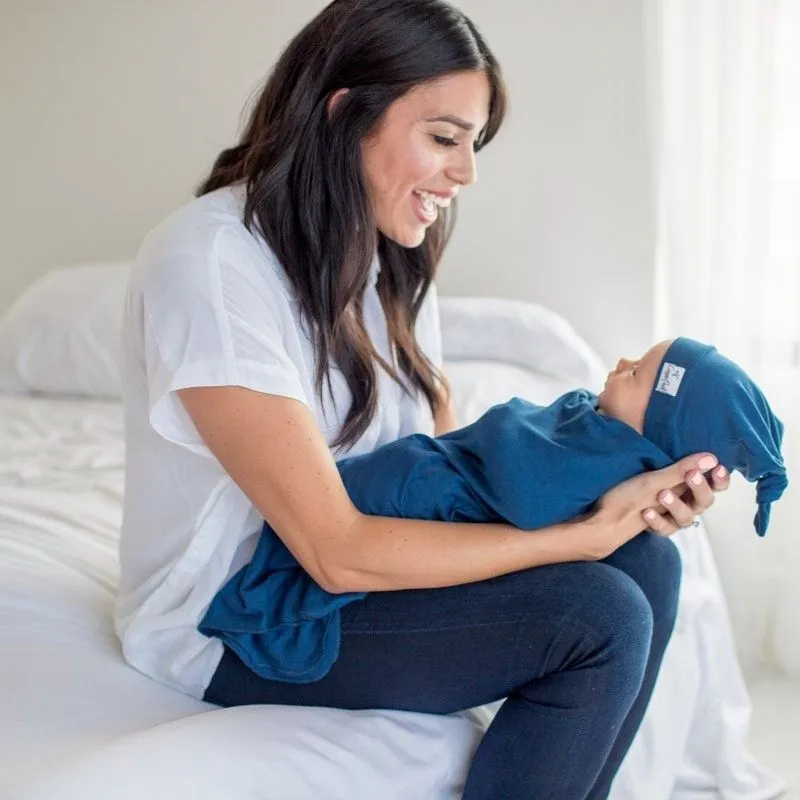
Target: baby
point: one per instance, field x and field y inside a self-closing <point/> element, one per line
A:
<point x="527" y="465"/>
<point x="534" y="466"/>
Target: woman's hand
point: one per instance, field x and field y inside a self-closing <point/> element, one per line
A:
<point x="678" y="506"/>
<point x="625" y="511"/>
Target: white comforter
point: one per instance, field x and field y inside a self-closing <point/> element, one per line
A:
<point x="77" y="722"/>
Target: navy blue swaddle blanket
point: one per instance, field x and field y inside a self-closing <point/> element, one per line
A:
<point x="528" y="465"/>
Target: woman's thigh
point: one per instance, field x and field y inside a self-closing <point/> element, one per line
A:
<point x="441" y="650"/>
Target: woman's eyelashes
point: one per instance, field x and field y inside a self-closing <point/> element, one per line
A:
<point x="447" y="141"/>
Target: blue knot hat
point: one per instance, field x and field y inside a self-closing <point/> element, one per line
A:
<point x="702" y="401"/>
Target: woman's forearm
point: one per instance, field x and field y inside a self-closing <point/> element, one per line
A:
<point x="382" y="553"/>
<point x="385" y="554"/>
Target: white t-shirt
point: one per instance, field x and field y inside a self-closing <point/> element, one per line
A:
<point x="209" y="305"/>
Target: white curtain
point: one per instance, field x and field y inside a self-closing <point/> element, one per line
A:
<point x="725" y="91"/>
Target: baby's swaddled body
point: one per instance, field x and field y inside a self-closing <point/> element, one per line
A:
<point x="528" y="465"/>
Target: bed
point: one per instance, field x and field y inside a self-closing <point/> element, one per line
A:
<point x="78" y="722"/>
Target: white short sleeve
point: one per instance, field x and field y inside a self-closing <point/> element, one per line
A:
<point x="213" y="320"/>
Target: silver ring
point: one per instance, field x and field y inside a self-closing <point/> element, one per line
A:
<point x="696" y="523"/>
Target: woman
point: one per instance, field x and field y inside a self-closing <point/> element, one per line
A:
<point x="287" y="316"/>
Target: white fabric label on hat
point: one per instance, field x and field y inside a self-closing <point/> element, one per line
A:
<point x="670" y="379"/>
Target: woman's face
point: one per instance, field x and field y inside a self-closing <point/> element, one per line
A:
<point x="422" y="153"/>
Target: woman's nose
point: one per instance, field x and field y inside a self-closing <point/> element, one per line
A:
<point x="464" y="169"/>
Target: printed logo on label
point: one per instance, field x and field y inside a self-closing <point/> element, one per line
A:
<point x="670" y="379"/>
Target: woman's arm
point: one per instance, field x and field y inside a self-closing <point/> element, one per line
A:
<point x="433" y="554"/>
<point x="273" y="449"/>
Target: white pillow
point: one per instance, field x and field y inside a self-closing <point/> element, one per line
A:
<point x="478" y="385"/>
<point x="521" y="333"/>
<point x="62" y="336"/>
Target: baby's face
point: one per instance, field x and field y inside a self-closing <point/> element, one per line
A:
<point x="628" y="387"/>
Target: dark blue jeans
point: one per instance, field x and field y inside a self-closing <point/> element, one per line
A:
<point x="575" y="648"/>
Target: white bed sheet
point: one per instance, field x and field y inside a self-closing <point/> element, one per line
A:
<point x="77" y="722"/>
<point x="63" y="684"/>
<point x="77" y="719"/>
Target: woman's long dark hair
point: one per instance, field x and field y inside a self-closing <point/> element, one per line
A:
<point x="303" y="171"/>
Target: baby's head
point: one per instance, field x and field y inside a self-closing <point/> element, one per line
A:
<point x="629" y="387"/>
<point x="685" y="397"/>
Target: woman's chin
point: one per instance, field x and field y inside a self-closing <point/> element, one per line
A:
<point x="405" y="233"/>
<point x="409" y="238"/>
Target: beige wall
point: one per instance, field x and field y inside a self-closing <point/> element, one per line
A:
<point x="110" y="111"/>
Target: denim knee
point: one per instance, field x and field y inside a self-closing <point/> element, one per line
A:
<point x="608" y="625"/>
<point x="620" y="608"/>
<point x="654" y="563"/>
<point x="665" y="559"/>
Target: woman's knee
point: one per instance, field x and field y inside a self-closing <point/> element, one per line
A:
<point x="654" y="563"/>
<point x="593" y="594"/>
<point x="619" y="610"/>
<point x="601" y="635"/>
<point x="604" y="619"/>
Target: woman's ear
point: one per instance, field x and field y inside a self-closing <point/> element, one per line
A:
<point x="334" y="99"/>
